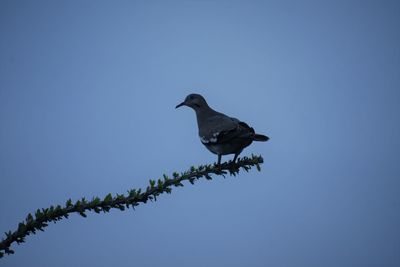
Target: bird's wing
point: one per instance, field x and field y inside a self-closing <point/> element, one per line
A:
<point x="242" y="131"/>
<point x="221" y="128"/>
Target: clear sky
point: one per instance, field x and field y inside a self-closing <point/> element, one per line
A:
<point x="87" y="97"/>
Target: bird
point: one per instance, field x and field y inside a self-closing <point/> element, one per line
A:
<point x="219" y="133"/>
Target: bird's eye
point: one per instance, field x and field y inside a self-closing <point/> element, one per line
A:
<point x="191" y="97"/>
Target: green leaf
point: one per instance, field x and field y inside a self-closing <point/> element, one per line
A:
<point x="68" y="203"/>
<point x="132" y="193"/>
<point x="97" y="209"/>
<point x="96" y="201"/>
<point x="21" y="228"/>
<point x="258" y="167"/>
<point x="29" y="218"/>
<point x="38" y="214"/>
<point x="8" y="234"/>
<point x="108" y="198"/>
<point x="160" y="184"/>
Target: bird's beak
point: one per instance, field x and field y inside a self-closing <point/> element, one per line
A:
<point x="180" y="105"/>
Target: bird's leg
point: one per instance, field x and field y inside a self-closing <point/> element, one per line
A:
<point x="235" y="157"/>
<point x="219" y="159"/>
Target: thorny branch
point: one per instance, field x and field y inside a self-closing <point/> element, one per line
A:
<point x="42" y="217"/>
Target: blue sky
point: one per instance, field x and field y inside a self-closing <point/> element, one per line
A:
<point x="87" y="97"/>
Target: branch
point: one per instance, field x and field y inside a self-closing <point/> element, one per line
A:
<point x="42" y="217"/>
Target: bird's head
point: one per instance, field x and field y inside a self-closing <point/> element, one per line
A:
<point x="195" y="101"/>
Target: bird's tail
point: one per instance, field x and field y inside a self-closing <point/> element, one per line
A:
<point x="261" y="137"/>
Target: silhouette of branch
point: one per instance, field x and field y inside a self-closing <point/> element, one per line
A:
<point x="43" y="217"/>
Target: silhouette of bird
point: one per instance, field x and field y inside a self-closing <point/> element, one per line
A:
<point x="220" y="134"/>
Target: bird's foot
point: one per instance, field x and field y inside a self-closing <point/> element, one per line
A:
<point x="218" y="165"/>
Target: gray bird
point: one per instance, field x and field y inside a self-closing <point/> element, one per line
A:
<point x="222" y="135"/>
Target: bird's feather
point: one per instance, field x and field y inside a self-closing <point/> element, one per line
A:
<point x="227" y="130"/>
